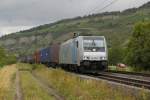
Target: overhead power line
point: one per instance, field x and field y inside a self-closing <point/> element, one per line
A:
<point x="108" y="5"/>
<point x="111" y="3"/>
<point x="97" y="7"/>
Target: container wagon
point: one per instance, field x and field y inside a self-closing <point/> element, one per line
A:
<point x="55" y="55"/>
<point x="45" y="55"/>
<point x="30" y="59"/>
<point x="36" y="56"/>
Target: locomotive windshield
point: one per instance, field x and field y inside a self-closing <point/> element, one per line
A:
<point x="94" y="45"/>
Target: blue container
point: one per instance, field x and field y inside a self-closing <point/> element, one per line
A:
<point x="45" y="55"/>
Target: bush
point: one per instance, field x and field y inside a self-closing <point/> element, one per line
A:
<point x="116" y="53"/>
<point x="138" y="50"/>
<point x="6" y="58"/>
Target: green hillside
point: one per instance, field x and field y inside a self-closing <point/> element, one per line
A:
<point x="115" y="26"/>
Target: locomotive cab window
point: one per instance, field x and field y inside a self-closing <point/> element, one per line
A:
<point x="94" y="45"/>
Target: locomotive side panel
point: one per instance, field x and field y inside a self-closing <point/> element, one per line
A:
<point x="68" y="52"/>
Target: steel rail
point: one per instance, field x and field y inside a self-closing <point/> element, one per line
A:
<point x="141" y="83"/>
<point x="130" y="73"/>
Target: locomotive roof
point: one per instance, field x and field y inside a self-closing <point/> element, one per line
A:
<point x="86" y="37"/>
<point x="92" y="36"/>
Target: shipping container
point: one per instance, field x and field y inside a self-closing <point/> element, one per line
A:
<point x="23" y="59"/>
<point x="45" y="55"/>
<point x="55" y="53"/>
<point x="29" y="59"/>
<point x="37" y="57"/>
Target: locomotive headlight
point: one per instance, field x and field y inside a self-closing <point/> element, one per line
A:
<point x="102" y="58"/>
<point x="86" y="58"/>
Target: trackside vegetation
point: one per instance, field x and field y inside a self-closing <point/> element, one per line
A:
<point x="6" y="57"/>
<point x="7" y="79"/>
<point x="31" y="89"/>
<point x="138" y="49"/>
<point x="136" y="52"/>
<point x="73" y="87"/>
<point x="69" y="86"/>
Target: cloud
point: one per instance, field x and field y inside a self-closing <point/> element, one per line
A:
<point x="15" y="14"/>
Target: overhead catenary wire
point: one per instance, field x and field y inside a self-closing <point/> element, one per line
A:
<point x="106" y="6"/>
<point x="96" y="7"/>
<point x="111" y="3"/>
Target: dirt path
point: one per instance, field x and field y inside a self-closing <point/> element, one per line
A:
<point x="50" y="90"/>
<point x="19" y="94"/>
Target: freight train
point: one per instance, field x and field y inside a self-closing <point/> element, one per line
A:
<point x="79" y="53"/>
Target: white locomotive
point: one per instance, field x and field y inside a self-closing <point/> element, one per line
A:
<point x="84" y="53"/>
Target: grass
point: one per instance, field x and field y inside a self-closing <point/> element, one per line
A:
<point x="115" y="68"/>
<point x="31" y="89"/>
<point x="25" y="67"/>
<point x="7" y="77"/>
<point x="75" y="88"/>
<point x="129" y="69"/>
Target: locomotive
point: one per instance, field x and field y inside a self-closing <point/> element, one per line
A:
<point x="78" y="54"/>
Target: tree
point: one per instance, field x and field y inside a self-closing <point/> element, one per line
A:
<point x="116" y="53"/>
<point x="2" y="57"/>
<point x="138" y="50"/>
<point x="6" y="57"/>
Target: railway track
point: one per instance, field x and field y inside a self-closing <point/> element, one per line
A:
<point x="130" y="73"/>
<point x="139" y="80"/>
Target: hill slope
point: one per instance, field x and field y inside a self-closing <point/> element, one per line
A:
<point x="115" y="26"/>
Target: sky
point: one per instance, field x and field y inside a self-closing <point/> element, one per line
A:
<point x="16" y="15"/>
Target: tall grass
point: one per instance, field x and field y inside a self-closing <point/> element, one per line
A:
<point x="7" y="77"/>
<point x="25" y="67"/>
<point x="75" y="88"/>
<point x="31" y="89"/>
